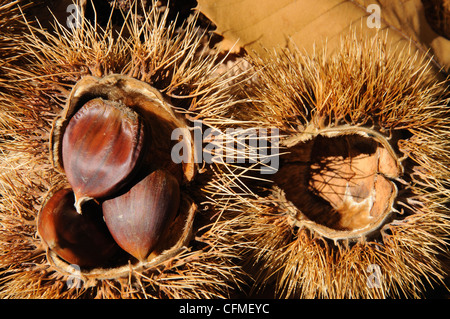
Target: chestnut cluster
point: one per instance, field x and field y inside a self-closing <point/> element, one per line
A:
<point x="114" y="200"/>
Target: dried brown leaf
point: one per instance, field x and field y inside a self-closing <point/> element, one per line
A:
<point x="258" y="24"/>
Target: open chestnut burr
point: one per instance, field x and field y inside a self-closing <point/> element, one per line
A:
<point x="357" y="206"/>
<point x="340" y="182"/>
<point x="113" y="143"/>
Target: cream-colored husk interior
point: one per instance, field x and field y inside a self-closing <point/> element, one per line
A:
<point x="339" y="182"/>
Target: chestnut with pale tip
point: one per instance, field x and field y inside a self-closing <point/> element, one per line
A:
<point x="138" y="218"/>
<point x="101" y="148"/>
<point x="81" y="239"/>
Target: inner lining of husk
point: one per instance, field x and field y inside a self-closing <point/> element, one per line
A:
<point x="172" y="243"/>
<point x="341" y="183"/>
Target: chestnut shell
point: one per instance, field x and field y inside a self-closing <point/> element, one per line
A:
<point x="159" y="117"/>
<point x="138" y="218"/>
<point x="81" y="239"/>
<point x="102" y="145"/>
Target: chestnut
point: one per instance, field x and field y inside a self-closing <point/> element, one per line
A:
<point x="101" y="147"/>
<point x="81" y="239"/>
<point x="137" y="218"/>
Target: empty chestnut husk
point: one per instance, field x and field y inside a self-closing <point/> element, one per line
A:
<point x="101" y="147"/>
<point x="139" y="217"/>
<point x="81" y="239"/>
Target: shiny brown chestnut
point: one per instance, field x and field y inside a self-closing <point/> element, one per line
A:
<point x="158" y="115"/>
<point x="81" y="239"/>
<point x="101" y="147"/>
<point x="138" y="218"/>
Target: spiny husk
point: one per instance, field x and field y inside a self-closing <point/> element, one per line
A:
<point x="10" y="23"/>
<point x="367" y="84"/>
<point x="168" y="58"/>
